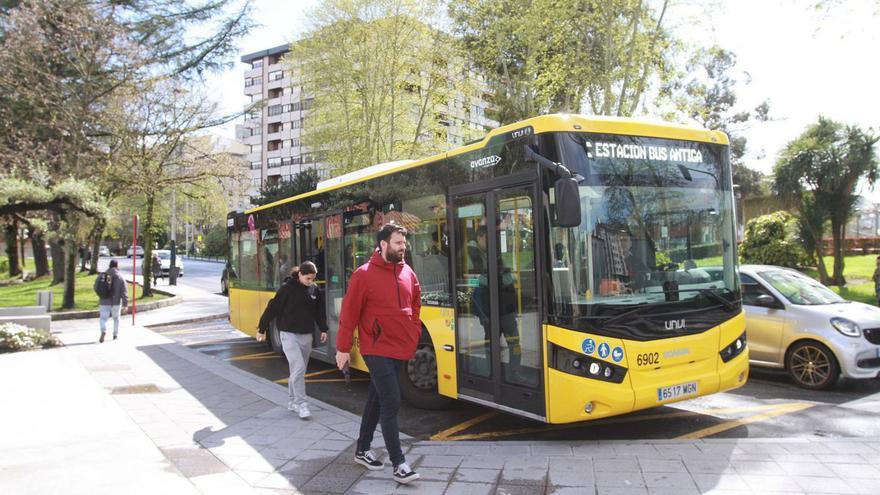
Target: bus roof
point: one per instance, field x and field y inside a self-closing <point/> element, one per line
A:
<point x="539" y="125"/>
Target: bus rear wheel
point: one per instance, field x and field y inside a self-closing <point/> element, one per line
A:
<point x="418" y="379"/>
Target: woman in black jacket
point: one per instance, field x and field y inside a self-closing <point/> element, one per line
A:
<point x="296" y="308"/>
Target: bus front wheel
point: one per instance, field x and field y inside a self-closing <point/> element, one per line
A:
<point x="275" y="338"/>
<point x="418" y="379"/>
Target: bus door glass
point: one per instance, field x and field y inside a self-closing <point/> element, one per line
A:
<point x="498" y="329"/>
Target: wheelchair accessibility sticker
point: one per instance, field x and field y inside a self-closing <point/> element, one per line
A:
<point x="588" y="346"/>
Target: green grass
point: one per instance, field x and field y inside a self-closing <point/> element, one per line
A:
<point x="25" y="294"/>
<point x="857" y="270"/>
<point x="28" y="266"/>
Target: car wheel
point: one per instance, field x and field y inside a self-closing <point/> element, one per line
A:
<point x="418" y="379"/>
<point x="812" y="365"/>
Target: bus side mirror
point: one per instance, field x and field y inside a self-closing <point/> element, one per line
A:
<point x="568" y="202"/>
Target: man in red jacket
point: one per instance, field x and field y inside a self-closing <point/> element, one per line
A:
<point x="383" y="302"/>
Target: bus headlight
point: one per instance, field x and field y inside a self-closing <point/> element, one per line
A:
<point x="734" y="349"/>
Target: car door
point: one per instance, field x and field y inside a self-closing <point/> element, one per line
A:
<point x="764" y="324"/>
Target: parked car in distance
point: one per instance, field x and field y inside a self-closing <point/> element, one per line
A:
<point x="140" y="251"/>
<point x="103" y="251"/>
<point x="165" y="258"/>
<point x="795" y="323"/>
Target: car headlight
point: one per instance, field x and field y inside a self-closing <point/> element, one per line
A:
<point x="846" y="327"/>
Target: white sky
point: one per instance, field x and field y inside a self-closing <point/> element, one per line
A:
<point x="807" y="63"/>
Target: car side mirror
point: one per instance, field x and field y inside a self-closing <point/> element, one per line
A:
<point x="766" y="301"/>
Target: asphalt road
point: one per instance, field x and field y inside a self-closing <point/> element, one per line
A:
<point x="767" y="406"/>
<point x="202" y="275"/>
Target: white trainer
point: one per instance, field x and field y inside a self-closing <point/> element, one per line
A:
<point x="304" y="412"/>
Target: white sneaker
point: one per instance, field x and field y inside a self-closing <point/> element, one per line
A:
<point x="403" y="474"/>
<point x="304" y="412"/>
<point x="292" y="407"/>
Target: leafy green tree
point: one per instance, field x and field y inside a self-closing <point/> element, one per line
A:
<point x="825" y="165"/>
<point x="549" y="56"/>
<point x="386" y="84"/>
<point x="772" y="240"/>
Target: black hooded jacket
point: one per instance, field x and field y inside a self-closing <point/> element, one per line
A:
<point x="295" y="308"/>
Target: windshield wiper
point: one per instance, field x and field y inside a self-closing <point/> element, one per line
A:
<point x="711" y="294"/>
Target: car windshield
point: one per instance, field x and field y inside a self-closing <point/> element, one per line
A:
<point x="800" y="289"/>
<point x="656" y="231"/>
<point x="165" y="256"/>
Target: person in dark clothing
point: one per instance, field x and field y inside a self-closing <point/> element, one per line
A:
<point x="296" y="308"/>
<point x="110" y="307"/>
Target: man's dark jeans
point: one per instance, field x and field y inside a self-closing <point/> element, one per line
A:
<point x="383" y="402"/>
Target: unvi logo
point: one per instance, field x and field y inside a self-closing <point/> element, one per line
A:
<point x="675" y="324"/>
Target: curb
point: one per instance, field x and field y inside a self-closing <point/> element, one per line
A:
<point x="189" y="320"/>
<point x="79" y="315"/>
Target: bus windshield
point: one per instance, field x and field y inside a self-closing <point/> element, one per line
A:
<point x="657" y="232"/>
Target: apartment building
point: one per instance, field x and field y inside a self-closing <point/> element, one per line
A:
<point x="272" y="133"/>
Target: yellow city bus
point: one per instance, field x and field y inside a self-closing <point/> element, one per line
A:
<point x="572" y="267"/>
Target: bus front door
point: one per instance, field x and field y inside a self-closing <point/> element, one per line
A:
<point x="498" y="328"/>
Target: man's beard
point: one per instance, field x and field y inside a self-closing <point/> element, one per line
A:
<point x="394" y="256"/>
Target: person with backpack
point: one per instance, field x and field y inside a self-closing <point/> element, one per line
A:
<point x="113" y="294"/>
<point x="156" y="267"/>
<point x="296" y="308"/>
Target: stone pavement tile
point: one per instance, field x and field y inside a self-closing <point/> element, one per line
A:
<point x="366" y="486"/>
<point x="503" y="489"/>
<point x="466" y="450"/>
<point x="675" y="449"/>
<point x="669" y="480"/>
<point x="841" y="458"/>
<point x="584" y="464"/>
<point x="639" y="449"/>
<point x="616" y="490"/>
<point x="276" y="480"/>
<point x="615" y="464"/>
<point x="530" y="476"/>
<point x="314" y="455"/>
<point x="435" y="474"/>
<point x="484" y="462"/>
<point x="472" y="475"/>
<point x="511" y="449"/>
<point x="303" y="468"/>
<point x="763" y="448"/>
<point x="209" y="482"/>
<point x="428" y="449"/>
<point x="525" y="462"/>
<point x="423" y="488"/>
<point x="863" y="486"/>
<point x="847" y="447"/>
<point x="808" y="469"/>
<point x="262" y="464"/>
<point x="674" y="491"/>
<point x="822" y="485"/>
<point x="620" y="479"/>
<point x="849" y="471"/>
<point x="571" y="478"/>
<point x="194" y="462"/>
<point x="458" y="487"/>
<point x="441" y="460"/>
<point x="558" y="449"/>
<point x="756" y="467"/>
<point x="807" y="458"/>
<point x="762" y="483"/>
<point x="709" y="467"/>
<point x="662" y="466"/>
<point x="335" y="483"/>
<point x="252" y="478"/>
<point x="707" y="482"/>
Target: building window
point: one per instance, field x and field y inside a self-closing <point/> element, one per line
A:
<point x="275" y="93"/>
<point x="276" y="127"/>
<point x="295" y="160"/>
<point x="274" y="59"/>
<point x="253" y="115"/>
<point x="256" y="97"/>
<point x="295" y="124"/>
<point x="256" y="64"/>
<point x="307" y="158"/>
<point x="293" y="142"/>
<point x="274" y="145"/>
<point x="275" y="110"/>
<point x="274" y="162"/>
<point x="256" y="148"/>
<point x="276" y="75"/>
<point x="253" y="81"/>
<point x="256" y="131"/>
<point x="307" y="103"/>
<point x="256" y="165"/>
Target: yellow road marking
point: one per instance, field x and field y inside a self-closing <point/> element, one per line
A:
<point x="447" y="433"/>
<point x="322" y="372"/>
<point x="255" y="356"/>
<point x="322" y="380"/>
<point x="779" y="411"/>
<point x="181" y="332"/>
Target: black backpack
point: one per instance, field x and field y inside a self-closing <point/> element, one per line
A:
<point x="104" y="285"/>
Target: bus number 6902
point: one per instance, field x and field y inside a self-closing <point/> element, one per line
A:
<point x="648" y="358"/>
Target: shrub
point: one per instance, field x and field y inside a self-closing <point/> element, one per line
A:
<point x="19" y="337"/>
<point x="773" y="240"/>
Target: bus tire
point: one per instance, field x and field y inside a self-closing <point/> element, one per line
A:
<point x="275" y="338"/>
<point x="418" y="378"/>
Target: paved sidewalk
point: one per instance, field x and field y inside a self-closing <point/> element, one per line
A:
<point x="146" y="415"/>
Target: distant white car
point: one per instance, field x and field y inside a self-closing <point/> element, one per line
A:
<point x="103" y="251"/>
<point x="797" y="324"/>
<point x="165" y="257"/>
<point x="140" y="251"/>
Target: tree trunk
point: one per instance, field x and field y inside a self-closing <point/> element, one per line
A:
<point x="820" y="264"/>
<point x="148" y="249"/>
<point x="70" y="276"/>
<point x="838" y="236"/>
<point x="97" y="234"/>
<point x="56" y="248"/>
<point x="83" y="256"/>
<point x="11" y="231"/>
<point x="38" y="245"/>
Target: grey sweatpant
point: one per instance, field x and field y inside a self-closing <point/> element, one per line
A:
<point x="297" y="348"/>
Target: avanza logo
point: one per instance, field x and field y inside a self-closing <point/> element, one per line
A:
<point x="675" y="324"/>
<point x="489" y="161"/>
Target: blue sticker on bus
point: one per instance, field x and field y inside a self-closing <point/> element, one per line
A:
<point x="604" y="349"/>
<point x="588" y="346"/>
<point x="617" y="354"/>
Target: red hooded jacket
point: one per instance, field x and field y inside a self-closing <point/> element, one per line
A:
<point x="383" y="301"/>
